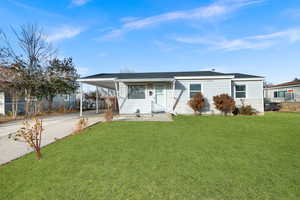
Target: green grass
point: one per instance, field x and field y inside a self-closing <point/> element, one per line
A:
<point x="194" y="157"/>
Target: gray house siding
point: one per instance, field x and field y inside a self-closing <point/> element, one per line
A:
<point x="254" y="94"/>
<point x="130" y="106"/>
<point x="171" y="91"/>
<point x="269" y="94"/>
<point x="209" y="88"/>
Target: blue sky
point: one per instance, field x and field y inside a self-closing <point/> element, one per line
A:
<point x="259" y="37"/>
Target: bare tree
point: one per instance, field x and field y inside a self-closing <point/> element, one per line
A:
<point x="29" y="54"/>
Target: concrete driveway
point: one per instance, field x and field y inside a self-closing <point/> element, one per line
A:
<point x="55" y="127"/>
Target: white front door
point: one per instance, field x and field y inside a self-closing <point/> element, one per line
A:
<point x="159" y="104"/>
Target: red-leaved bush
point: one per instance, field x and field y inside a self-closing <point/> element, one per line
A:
<point x="224" y="103"/>
<point x="197" y="102"/>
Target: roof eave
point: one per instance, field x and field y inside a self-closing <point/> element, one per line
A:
<point x="203" y="77"/>
<point x="250" y="79"/>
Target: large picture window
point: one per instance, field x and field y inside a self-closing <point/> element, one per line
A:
<point x="136" y="92"/>
<point x="240" y="91"/>
<point x="194" y="89"/>
<point x="279" y="94"/>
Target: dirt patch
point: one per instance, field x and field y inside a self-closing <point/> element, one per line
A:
<point x="290" y="107"/>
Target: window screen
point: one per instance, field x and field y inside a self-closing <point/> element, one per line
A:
<point x="194" y="89"/>
<point x="136" y="92"/>
<point x="240" y="91"/>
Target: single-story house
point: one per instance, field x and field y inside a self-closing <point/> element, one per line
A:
<point x="156" y="92"/>
<point x="284" y="92"/>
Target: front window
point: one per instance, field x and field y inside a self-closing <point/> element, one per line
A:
<point x="280" y="94"/>
<point x="194" y="89"/>
<point x="136" y="92"/>
<point x="240" y="91"/>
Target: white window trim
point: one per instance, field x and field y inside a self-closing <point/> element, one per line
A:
<point x="137" y="84"/>
<point x="189" y="94"/>
<point x="246" y="95"/>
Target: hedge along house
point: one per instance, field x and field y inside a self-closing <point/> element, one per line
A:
<point x="169" y="92"/>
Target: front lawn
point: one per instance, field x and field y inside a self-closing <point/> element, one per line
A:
<point x="202" y="157"/>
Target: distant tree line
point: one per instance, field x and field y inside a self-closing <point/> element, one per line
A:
<point x="30" y="68"/>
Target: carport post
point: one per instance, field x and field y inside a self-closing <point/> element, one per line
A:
<point x="173" y="94"/>
<point x="97" y="100"/>
<point x="81" y="98"/>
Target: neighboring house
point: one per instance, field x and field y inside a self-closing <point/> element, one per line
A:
<point x="66" y="101"/>
<point x="284" y="92"/>
<point x="170" y="91"/>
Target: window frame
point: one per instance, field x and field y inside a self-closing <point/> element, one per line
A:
<point x="235" y="91"/>
<point x="279" y="94"/>
<point x="129" y="95"/>
<point x="194" y="91"/>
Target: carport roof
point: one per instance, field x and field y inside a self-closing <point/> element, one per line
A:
<point x="150" y="75"/>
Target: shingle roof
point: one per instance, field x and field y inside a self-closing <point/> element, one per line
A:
<point x="295" y="82"/>
<point x="166" y="75"/>
<point x="239" y="75"/>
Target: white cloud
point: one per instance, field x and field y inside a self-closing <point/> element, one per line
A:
<point x="251" y="42"/>
<point x="217" y="9"/>
<point x="164" y="47"/>
<point x="292" y="12"/>
<point x="128" y="19"/>
<point x="64" y="32"/>
<point x="291" y="34"/>
<point x="79" y="2"/>
<point x="35" y="10"/>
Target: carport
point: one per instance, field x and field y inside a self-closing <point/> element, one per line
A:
<point x="108" y="83"/>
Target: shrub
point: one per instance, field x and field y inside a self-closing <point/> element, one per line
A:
<point x="32" y="135"/>
<point x="224" y="103"/>
<point x="197" y="102"/>
<point x="108" y="115"/>
<point x="236" y="111"/>
<point x="81" y="124"/>
<point x="247" y="110"/>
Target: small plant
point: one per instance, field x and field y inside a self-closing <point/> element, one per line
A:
<point x="224" y="103"/>
<point x="32" y="135"/>
<point x="236" y="111"/>
<point x="108" y="115"/>
<point x="81" y="125"/>
<point x="246" y="110"/>
<point x="138" y="113"/>
<point x="197" y="103"/>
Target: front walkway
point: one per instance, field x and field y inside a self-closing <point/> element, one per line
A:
<point x="154" y="118"/>
<point x="56" y="127"/>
